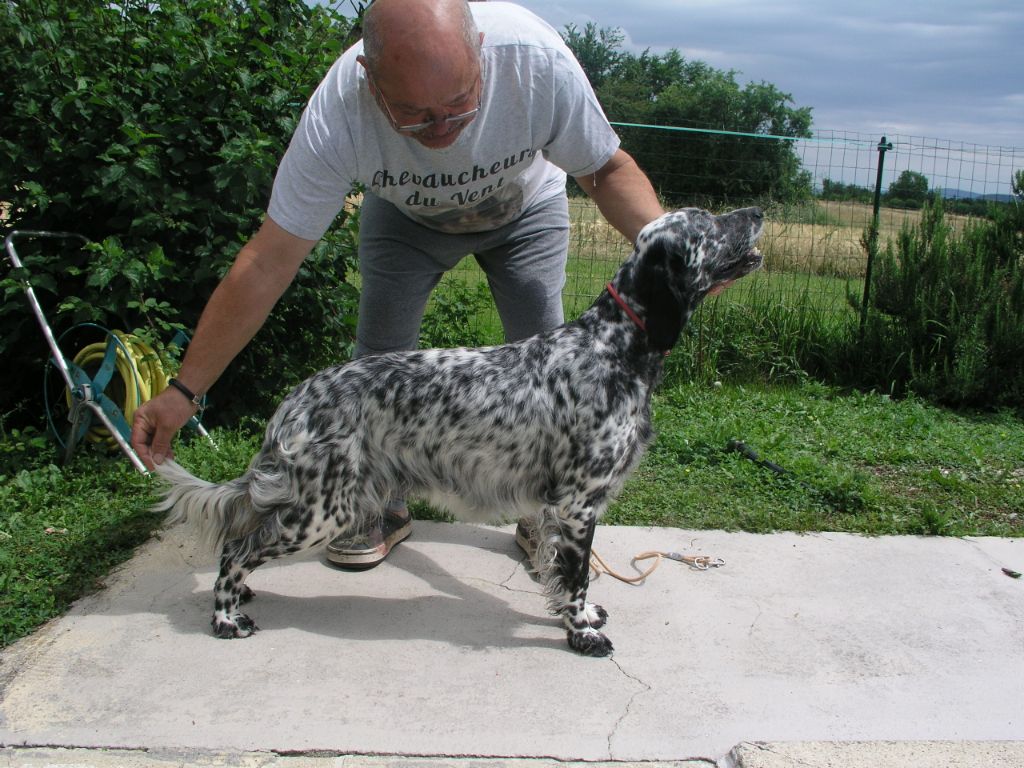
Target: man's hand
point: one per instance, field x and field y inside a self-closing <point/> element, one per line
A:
<point x="156" y="422"/>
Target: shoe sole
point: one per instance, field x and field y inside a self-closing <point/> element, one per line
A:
<point x="364" y="560"/>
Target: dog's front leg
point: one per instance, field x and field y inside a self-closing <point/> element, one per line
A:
<point x="566" y="580"/>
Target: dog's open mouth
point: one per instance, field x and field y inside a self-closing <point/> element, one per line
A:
<point x="750" y="261"/>
<point x="753" y="261"/>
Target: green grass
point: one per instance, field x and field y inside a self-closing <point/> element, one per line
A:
<point x="855" y="462"/>
<point x="61" y="530"/>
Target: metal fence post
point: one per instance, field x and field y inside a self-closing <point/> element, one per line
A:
<point x="883" y="147"/>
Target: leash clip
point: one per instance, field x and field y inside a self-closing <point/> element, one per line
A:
<point x="697" y="562"/>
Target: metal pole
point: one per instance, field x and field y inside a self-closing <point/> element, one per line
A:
<point x="37" y="310"/>
<point x="883" y="147"/>
<point x="83" y="397"/>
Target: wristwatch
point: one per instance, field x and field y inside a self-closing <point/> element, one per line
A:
<point x="193" y="398"/>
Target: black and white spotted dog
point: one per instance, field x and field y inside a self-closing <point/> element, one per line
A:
<point x="548" y="427"/>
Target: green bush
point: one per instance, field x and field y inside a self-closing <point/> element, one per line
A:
<point x="947" y="311"/>
<point x="453" y="319"/>
<point x="155" y="130"/>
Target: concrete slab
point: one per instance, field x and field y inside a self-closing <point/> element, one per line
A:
<point x="445" y="650"/>
<point x="34" y="757"/>
<point x="941" y="754"/>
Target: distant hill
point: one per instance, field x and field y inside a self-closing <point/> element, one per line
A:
<point x="959" y="194"/>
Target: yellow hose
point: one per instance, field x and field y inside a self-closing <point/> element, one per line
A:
<point x="140" y="372"/>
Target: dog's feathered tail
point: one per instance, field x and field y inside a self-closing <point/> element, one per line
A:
<point x="220" y="512"/>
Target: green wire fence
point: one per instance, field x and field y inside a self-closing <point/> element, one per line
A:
<point x="819" y="194"/>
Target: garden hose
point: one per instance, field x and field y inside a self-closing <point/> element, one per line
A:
<point x="139" y="373"/>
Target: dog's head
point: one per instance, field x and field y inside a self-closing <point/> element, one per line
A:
<point x="682" y="256"/>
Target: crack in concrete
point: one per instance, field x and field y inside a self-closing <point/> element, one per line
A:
<point x="520" y="565"/>
<point x="504" y="583"/>
<point x="757" y="617"/>
<point x="645" y="688"/>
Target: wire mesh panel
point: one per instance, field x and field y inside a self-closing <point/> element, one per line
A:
<point x="817" y="193"/>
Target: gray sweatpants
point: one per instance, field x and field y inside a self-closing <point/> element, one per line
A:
<point x="401" y="262"/>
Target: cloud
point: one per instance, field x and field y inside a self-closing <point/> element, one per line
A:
<point x="939" y="67"/>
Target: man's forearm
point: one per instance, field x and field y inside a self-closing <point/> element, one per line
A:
<point x="262" y="271"/>
<point x="623" y="194"/>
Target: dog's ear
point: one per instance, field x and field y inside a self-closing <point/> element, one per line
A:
<point x="654" y="291"/>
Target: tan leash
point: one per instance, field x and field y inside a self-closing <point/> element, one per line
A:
<point x="696" y="562"/>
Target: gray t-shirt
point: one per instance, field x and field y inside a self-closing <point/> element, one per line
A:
<point x="539" y="119"/>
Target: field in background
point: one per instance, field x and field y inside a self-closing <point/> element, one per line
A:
<point x="824" y="237"/>
<point x="814" y="259"/>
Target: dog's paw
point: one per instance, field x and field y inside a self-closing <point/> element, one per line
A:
<point x="589" y="642"/>
<point x="238" y="625"/>
<point x="596" y="615"/>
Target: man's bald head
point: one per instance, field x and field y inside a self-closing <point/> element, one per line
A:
<point x="418" y="33"/>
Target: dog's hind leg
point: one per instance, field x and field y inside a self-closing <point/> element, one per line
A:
<point x="241" y="557"/>
<point x="230" y="591"/>
<point x="566" y="579"/>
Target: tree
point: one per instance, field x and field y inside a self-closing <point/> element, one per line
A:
<point x="667" y="90"/>
<point x="910" y="188"/>
<point x="596" y="50"/>
<point x="837" y="190"/>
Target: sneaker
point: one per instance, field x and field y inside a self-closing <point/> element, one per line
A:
<point x="365" y="551"/>
<point x="526" y="538"/>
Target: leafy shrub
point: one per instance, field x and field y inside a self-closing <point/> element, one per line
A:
<point x="154" y="129"/>
<point x="947" y="311"/>
<point x="453" y="319"/>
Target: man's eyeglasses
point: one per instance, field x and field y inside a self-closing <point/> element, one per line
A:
<point x="451" y="120"/>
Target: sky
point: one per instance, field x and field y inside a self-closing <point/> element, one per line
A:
<point x="947" y="69"/>
<point x="944" y="77"/>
